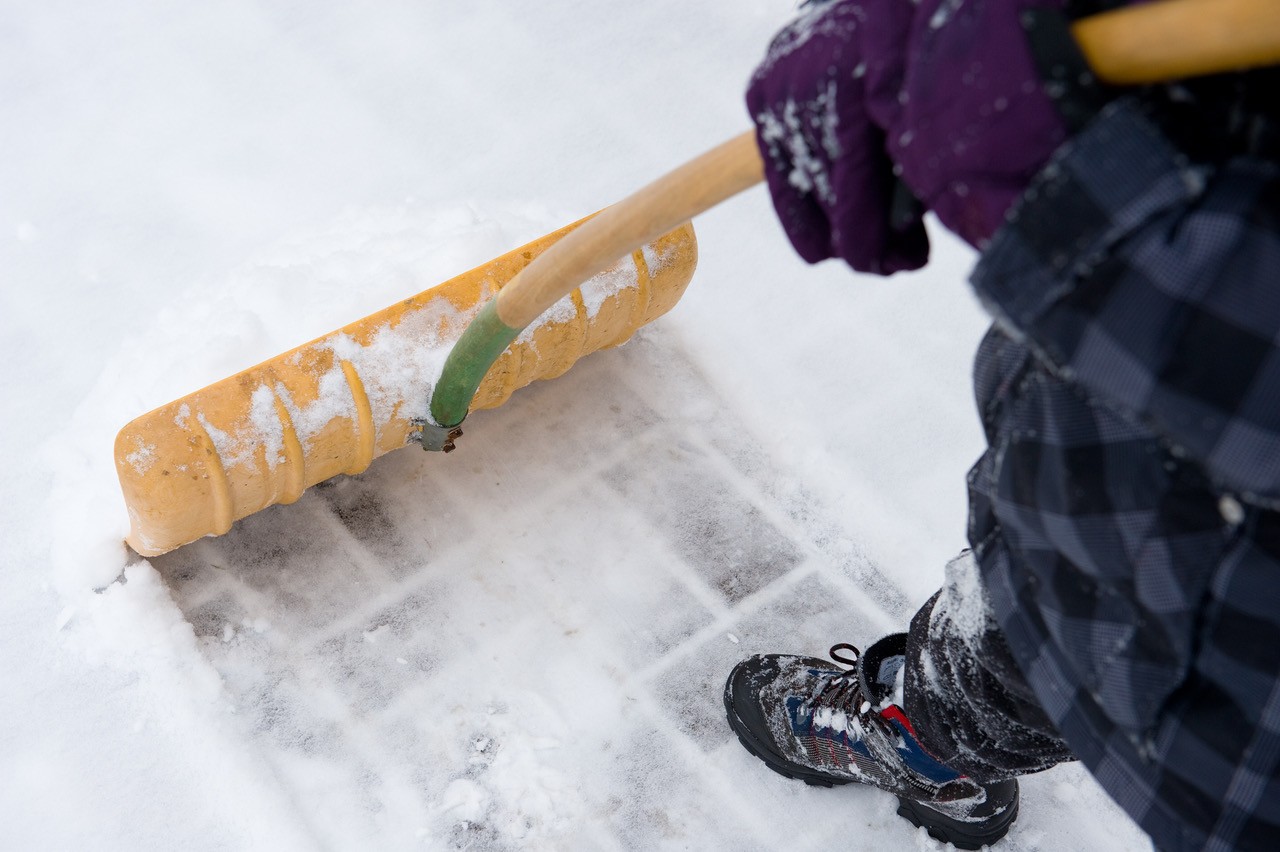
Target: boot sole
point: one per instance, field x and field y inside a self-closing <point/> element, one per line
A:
<point x="960" y="834"/>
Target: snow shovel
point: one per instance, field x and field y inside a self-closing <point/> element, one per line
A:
<point x="195" y="466"/>
<point x="262" y="436"/>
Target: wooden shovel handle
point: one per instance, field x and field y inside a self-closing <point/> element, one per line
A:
<point x="1176" y="39"/>
<point x="663" y="205"/>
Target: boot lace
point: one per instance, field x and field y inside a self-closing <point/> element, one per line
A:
<point x="842" y="692"/>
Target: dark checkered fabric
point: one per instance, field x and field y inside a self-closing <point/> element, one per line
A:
<point x="1124" y="519"/>
<point x="1153" y="282"/>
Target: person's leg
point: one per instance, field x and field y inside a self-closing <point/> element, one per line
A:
<point x="970" y="724"/>
<point x="969" y="701"/>
<point x="970" y="704"/>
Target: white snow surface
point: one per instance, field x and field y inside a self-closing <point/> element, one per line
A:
<point x="517" y="646"/>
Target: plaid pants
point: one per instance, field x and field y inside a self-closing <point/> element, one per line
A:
<point x="1122" y="600"/>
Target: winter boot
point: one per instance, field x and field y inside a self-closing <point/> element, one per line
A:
<point x="822" y="724"/>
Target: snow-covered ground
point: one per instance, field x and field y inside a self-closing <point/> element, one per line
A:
<point x="518" y="646"/>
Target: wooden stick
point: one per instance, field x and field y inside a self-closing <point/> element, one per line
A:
<point x="663" y="205"/>
<point x="1176" y="39"/>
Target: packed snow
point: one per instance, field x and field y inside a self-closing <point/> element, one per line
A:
<point x="520" y="645"/>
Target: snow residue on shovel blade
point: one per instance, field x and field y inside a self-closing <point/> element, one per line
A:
<point x="142" y="457"/>
<point x="398" y="367"/>
<point x="229" y="449"/>
<point x="657" y="257"/>
<point x="621" y="276"/>
<point x="595" y="291"/>
<point x="262" y="412"/>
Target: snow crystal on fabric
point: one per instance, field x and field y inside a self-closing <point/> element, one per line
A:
<point x="963" y="601"/>
<point x="794" y="129"/>
<point x="811" y="21"/>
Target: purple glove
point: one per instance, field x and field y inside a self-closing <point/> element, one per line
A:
<point x="944" y="94"/>
<point x="826" y="161"/>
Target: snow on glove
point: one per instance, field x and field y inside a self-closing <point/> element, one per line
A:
<point x="826" y="162"/>
<point x="944" y="93"/>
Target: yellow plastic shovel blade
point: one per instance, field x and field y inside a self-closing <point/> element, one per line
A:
<point x="262" y="436"/>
